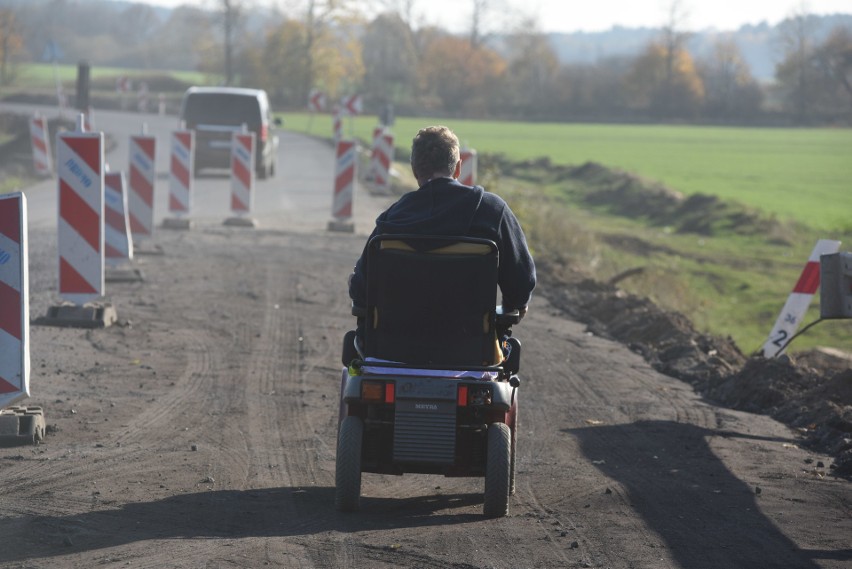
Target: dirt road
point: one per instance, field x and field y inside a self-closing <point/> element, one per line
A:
<point x="201" y="433"/>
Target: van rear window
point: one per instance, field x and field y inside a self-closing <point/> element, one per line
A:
<point x="218" y="108"/>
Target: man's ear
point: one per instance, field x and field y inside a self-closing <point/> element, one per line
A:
<point x="457" y="172"/>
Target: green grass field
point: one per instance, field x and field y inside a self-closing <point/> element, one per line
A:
<point x="728" y="284"/>
<point x="800" y="174"/>
<point x="43" y="75"/>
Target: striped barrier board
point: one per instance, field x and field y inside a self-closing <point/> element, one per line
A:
<point x="344" y="185"/>
<point x="242" y="172"/>
<point x="143" y="176"/>
<point x="42" y="162"/>
<point x="468" y="167"/>
<point x="79" y="160"/>
<point x="374" y="150"/>
<point x="14" y="300"/>
<point x="118" y="241"/>
<point x="180" y="172"/>
<point x="384" y="155"/>
<point x="797" y="303"/>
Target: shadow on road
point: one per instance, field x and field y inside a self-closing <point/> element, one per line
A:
<point x="706" y="516"/>
<point x="233" y="514"/>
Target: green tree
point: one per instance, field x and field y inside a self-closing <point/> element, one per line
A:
<point x="462" y="76"/>
<point x="667" y="85"/>
<point x="281" y="67"/>
<point x="833" y="60"/>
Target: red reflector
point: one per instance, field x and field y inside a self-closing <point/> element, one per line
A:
<point x="389" y="393"/>
<point x="462" y="401"/>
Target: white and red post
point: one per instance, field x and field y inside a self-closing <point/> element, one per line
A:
<point x="118" y="241"/>
<point x="371" y="169"/>
<point x="143" y="176"/>
<point x="80" y="169"/>
<point x="344" y="186"/>
<point x="243" y="150"/>
<point x="382" y="161"/>
<point x="181" y="172"/>
<point x="14" y="300"/>
<point x="797" y="303"/>
<point x="468" y="167"/>
<point x="42" y="162"/>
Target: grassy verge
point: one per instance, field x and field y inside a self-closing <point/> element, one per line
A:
<point x="730" y="281"/>
<point x="793" y="174"/>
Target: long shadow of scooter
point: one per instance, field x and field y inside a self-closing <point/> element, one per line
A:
<point x="707" y="517"/>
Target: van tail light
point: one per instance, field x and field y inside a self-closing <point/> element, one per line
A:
<point x="264" y="133"/>
<point x="390" y="393"/>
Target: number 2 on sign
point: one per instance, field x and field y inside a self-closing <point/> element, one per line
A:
<point x="779" y="341"/>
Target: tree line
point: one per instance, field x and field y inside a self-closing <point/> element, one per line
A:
<point x="332" y="45"/>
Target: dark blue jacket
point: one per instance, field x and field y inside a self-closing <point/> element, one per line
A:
<point x="444" y="206"/>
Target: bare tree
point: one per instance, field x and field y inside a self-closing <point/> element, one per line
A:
<point x="674" y="39"/>
<point x="794" y="73"/>
<point x="231" y="13"/>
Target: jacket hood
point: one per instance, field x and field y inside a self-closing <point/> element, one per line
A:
<point x="440" y="207"/>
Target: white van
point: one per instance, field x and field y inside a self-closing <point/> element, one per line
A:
<point x="215" y="113"/>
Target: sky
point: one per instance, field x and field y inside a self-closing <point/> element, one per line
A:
<point x="599" y="15"/>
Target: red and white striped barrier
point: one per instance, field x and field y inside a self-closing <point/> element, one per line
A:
<point x="382" y="161"/>
<point x="80" y="159"/>
<point x="143" y="176"/>
<point x="468" y="167"/>
<point x="797" y="303"/>
<point x="40" y="140"/>
<point x="344" y="182"/>
<point x="14" y="300"/>
<point x="352" y="105"/>
<point x="118" y="242"/>
<point x="242" y="172"/>
<point x="180" y="172"/>
<point x="316" y="101"/>
<point x="371" y="169"/>
<point x="337" y="124"/>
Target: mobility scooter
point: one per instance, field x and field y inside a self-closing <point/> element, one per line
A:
<point x="430" y="377"/>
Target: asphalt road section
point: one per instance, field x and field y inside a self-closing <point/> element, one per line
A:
<point x="200" y="431"/>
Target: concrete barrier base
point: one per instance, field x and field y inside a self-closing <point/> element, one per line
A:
<point x="90" y="315"/>
<point x="341" y="226"/>
<point x="147" y="249"/>
<point x="177" y="223"/>
<point x="21" y="425"/>
<point x="240" y="222"/>
<point x="123" y="275"/>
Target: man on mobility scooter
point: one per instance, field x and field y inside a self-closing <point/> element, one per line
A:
<point x="429" y="384"/>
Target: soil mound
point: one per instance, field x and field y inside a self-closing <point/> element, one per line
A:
<point x="816" y="401"/>
<point x="629" y="195"/>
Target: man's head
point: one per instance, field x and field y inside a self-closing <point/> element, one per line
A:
<point x="435" y="153"/>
